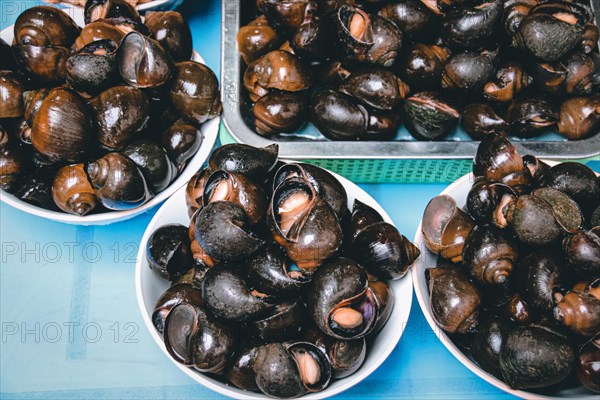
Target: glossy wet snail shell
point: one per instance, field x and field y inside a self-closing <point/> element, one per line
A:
<point x="72" y="191"/>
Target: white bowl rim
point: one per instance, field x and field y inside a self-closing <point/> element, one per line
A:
<point x="210" y="132"/>
<point x="424" y="304"/>
<point x="232" y="391"/>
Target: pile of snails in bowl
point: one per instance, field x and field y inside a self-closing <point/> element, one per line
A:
<point x="277" y="287"/>
<point x="517" y="285"/>
<point x="359" y="69"/>
<point x="102" y="117"/>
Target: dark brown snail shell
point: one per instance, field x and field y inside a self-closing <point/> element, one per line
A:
<point x="429" y="117"/>
<point x="412" y="17"/>
<point x="589" y="365"/>
<point x="375" y="88"/>
<point x="119" y="184"/>
<point x="227" y="296"/>
<point x="287" y="15"/>
<point x="45" y="26"/>
<point x="11" y="95"/>
<point x="159" y="171"/>
<point x="514" y="12"/>
<point x="326" y="185"/>
<point x="143" y="62"/>
<point x="368" y="38"/>
<point x="312" y="39"/>
<point x="479" y="120"/>
<point x="62" y="128"/>
<point x="221" y="231"/>
<point x="195" y="338"/>
<point x="362" y="216"/>
<point x="498" y="160"/>
<point x="285" y="321"/>
<point x="454" y="300"/>
<point x="582" y="252"/>
<point x="46" y="65"/>
<point x="469" y="71"/>
<point x="346" y="356"/>
<point x="487" y="343"/>
<point x="172" y="32"/>
<point x="11" y="165"/>
<point x="256" y="39"/>
<point x="490" y="255"/>
<point x="469" y="27"/>
<point x="32" y="101"/>
<point x="577" y="181"/>
<point x="181" y="141"/>
<point x="174" y="295"/>
<point x="271" y="272"/>
<point x="72" y="191"/>
<point x="194" y="92"/>
<point x="240" y="373"/>
<point x="534" y="357"/>
<point x="510" y="80"/>
<point x="580" y="312"/>
<point x="93" y="68"/>
<point x="236" y="188"/>
<point x="485" y="201"/>
<point x="551" y="29"/>
<point x="277" y="70"/>
<point x="101" y="9"/>
<point x="566" y="211"/>
<point x="340" y="301"/>
<point x="533" y="220"/>
<point x="279" y="112"/>
<point x="421" y="65"/>
<point x="168" y="251"/>
<point x="540" y="272"/>
<point x="254" y="162"/>
<point x="132" y="107"/>
<point x="303" y="223"/>
<point x="579" y="117"/>
<point x="290" y="370"/>
<point x="382" y="292"/>
<point x="383" y="251"/>
<point x="445" y="227"/>
<point x="338" y="116"/>
<point x="195" y="190"/>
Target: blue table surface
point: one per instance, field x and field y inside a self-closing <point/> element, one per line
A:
<point x="71" y="327"/>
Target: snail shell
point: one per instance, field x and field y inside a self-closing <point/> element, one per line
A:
<point x="61" y="128"/>
<point x="72" y="191"/>
<point x="119" y="184"/>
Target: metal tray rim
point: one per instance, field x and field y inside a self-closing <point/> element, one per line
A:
<point x="299" y="149"/>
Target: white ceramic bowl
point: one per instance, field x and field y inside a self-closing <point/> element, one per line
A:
<point x="149" y="287"/>
<point x="459" y="190"/>
<point x="209" y="130"/>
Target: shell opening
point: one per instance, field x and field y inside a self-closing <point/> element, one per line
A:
<point x="291" y="212"/>
<point x="180" y="326"/>
<point x="308" y="366"/>
<point x="292" y="270"/>
<point x="220" y="191"/>
<point x="354" y="317"/>
<point x="566" y="17"/>
<point x="357" y="25"/>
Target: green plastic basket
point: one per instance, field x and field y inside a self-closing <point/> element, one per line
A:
<point x="393" y="171"/>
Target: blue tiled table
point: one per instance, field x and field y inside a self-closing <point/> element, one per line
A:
<point x="70" y="323"/>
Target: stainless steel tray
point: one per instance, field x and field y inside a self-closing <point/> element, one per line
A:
<point x="231" y="91"/>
